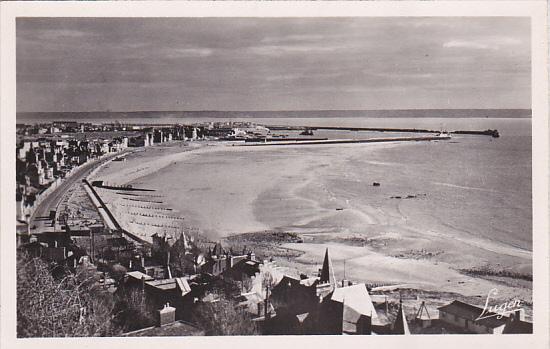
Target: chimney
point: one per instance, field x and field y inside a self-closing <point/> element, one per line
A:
<point x="519" y="315"/>
<point x="266" y="303"/>
<point x="143" y="262"/>
<point x="166" y="315"/>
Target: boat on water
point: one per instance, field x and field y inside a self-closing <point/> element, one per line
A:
<point x="307" y="132"/>
<point x="443" y="134"/>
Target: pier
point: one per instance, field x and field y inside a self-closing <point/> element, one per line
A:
<point x="344" y="141"/>
<point x="489" y="132"/>
<point x="273" y="139"/>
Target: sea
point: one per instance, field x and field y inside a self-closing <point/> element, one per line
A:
<point x="474" y="190"/>
<point x="477" y="187"/>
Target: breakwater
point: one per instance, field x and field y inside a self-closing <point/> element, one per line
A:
<point x="488" y="132"/>
<point x="339" y="141"/>
<point x="272" y="139"/>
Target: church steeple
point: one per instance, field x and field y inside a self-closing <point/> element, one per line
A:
<point x="327" y="272"/>
<point x="400" y="325"/>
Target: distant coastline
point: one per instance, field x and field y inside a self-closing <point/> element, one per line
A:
<point x="397" y="113"/>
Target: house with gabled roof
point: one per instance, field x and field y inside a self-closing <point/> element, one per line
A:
<point x="347" y="310"/>
<point x="167" y="325"/>
<point x="516" y="323"/>
<point x="467" y="318"/>
<point x="177" y="291"/>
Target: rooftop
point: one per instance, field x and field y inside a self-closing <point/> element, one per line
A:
<point x="177" y="328"/>
<point x="139" y="275"/>
<point x="357" y="298"/>
<point x="518" y="326"/>
<point x="309" y="281"/>
<point x="472" y="312"/>
<point x="169" y="284"/>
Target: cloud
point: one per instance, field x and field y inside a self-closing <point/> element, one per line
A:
<point x="487" y="43"/>
<point x="189" y="52"/>
<point x="280" y="50"/>
<point x="63" y="33"/>
<point x="283" y="77"/>
<point x="283" y="63"/>
<point x="467" y="44"/>
<point x="293" y="38"/>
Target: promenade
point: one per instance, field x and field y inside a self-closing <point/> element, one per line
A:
<point x="40" y="221"/>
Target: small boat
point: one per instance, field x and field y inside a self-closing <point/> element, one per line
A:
<point x="339" y="209"/>
<point x="306" y="132"/>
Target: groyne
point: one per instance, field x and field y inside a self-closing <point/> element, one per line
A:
<point x="110" y="215"/>
<point x="101" y="184"/>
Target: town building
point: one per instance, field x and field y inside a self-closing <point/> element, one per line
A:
<point x="167" y="325"/>
<point x="516" y="323"/>
<point x="465" y="317"/>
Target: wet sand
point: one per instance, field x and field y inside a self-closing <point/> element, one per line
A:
<point x="326" y="194"/>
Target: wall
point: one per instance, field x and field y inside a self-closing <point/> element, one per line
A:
<point x="472" y="326"/>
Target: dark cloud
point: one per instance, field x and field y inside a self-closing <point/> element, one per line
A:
<point x="268" y="64"/>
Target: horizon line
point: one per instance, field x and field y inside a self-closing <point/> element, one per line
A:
<point x="261" y="110"/>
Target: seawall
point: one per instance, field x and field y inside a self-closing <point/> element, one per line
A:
<point x="110" y="215"/>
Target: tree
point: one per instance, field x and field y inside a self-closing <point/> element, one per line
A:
<point x="223" y="318"/>
<point x="266" y="279"/>
<point x="117" y="271"/>
<point x="179" y="258"/>
<point x="70" y="306"/>
<point x="132" y="310"/>
<point x="184" y="257"/>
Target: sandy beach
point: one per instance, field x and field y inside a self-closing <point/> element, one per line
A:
<point x="421" y="227"/>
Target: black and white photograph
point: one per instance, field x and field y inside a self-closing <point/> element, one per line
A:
<point x="274" y="176"/>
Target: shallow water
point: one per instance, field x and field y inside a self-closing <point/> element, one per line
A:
<point x="471" y="196"/>
<point x="470" y="201"/>
<point x="474" y="184"/>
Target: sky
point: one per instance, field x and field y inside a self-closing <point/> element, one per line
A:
<point x="146" y="64"/>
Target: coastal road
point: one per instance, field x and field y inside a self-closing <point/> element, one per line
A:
<point x="39" y="221"/>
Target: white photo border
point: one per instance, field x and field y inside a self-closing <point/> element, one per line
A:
<point x="536" y="10"/>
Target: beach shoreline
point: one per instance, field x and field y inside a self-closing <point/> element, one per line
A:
<point x="301" y="199"/>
